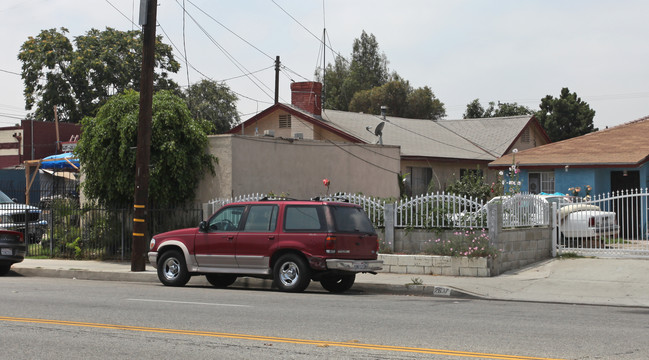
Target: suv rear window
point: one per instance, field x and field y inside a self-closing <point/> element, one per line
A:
<point x="304" y="218"/>
<point x="351" y="219"/>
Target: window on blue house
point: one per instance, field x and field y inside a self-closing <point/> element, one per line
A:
<point x="542" y="181"/>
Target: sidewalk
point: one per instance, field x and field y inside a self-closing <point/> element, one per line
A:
<point x="613" y="282"/>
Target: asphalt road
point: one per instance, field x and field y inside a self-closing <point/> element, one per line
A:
<point x="45" y="318"/>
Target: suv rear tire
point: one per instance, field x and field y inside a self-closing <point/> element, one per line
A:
<point x="221" y="280"/>
<point x="291" y="273"/>
<point x="338" y="283"/>
<point x="172" y="269"/>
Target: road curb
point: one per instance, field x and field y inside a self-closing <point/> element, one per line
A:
<point x="86" y="275"/>
<point x="247" y="282"/>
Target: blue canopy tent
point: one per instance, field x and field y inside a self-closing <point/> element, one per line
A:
<point x="65" y="161"/>
<point x="62" y="162"/>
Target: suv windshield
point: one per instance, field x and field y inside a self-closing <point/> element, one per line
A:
<point x="351" y="219"/>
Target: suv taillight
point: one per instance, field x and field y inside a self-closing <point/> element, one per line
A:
<point x="330" y="245"/>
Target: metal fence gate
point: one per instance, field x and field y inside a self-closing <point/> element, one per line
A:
<point x="613" y="224"/>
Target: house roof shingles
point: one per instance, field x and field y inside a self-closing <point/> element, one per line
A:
<point x="471" y="139"/>
<point x="622" y="145"/>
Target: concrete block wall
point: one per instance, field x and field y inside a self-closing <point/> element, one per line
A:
<point x="521" y="247"/>
<point x="435" y="265"/>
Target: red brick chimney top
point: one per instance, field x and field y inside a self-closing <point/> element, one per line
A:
<point x="307" y="96"/>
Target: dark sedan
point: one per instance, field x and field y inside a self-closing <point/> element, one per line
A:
<point x="12" y="249"/>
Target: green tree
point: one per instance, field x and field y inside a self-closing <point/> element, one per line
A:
<point x="214" y="102"/>
<point x="393" y="94"/>
<point x="475" y="110"/>
<point x="335" y="96"/>
<point x="401" y="99"/>
<point x="511" y="109"/>
<point x="368" y="68"/>
<point x="364" y="83"/>
<point x="472" y="184"/>
<point x="178" y="150"/>
<point x="422" y="104"/>
<point x="565" y="117"/>
<point x="78" y="76"/>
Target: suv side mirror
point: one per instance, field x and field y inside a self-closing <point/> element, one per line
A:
<point x="202" y="226"/>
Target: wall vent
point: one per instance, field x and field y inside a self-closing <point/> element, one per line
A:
<point x="285" y="121"/>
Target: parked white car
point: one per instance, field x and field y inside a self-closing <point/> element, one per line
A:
<point x="576" y="219"/>
<point x="583" y="220"/>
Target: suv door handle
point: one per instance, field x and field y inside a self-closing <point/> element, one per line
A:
<point x="271" y="237"/>
<point x="230" y="237"/>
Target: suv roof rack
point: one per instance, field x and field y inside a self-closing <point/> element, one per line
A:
<point x="317" y="198"/>
<point x="267" y="198"/>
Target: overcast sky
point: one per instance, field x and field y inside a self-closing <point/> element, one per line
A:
<point x="494" y="50"/>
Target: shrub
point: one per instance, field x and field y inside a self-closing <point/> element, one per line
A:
<point x="470" y="243"/>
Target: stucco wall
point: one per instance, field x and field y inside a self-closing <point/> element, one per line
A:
<point x="257" y="164"/>
<point x="445" y="173"/>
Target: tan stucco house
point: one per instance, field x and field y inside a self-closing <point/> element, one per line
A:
<point x="432" y="154"/>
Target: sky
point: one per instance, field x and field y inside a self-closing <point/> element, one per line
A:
<point x="492" y="50"/>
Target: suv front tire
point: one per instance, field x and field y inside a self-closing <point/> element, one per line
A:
<point x="172" y="269"/>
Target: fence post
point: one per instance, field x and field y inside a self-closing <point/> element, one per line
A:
<point x="388" y="222"/>
<point x="205" y="211"/>
<point x="555" y="229"/>
<point x="495" y="225"/>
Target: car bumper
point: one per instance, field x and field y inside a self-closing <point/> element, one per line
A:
<point x="354" y="265"/>
<point x="12" y="253"/>
<point x="153" y="257"/>
<point x="592" y="232"/>
<point x="33" y="227"/>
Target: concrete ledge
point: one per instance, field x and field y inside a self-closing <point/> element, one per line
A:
<point x="436" y="265"/>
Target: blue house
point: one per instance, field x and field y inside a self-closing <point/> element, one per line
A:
<point x="609" y="160"/>
<point x="602" y="162"/>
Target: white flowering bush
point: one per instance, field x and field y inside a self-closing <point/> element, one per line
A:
<point x="513" y="183"/>
<point x="469" y="243"/>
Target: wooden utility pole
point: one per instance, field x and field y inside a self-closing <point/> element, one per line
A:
<point x="276" y="79"/>
<point x="148" y="9"/>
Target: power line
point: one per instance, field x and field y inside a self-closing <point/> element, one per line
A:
<point x="305" y="28"/>
<point x="242" y="39"/>
<point x="236" y="63"/>
<point x="10" y="72"/>
<point x="180" y="54"/>
<point x="232" y="32"/>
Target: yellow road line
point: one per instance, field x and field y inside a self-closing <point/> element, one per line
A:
<point x="272" y="339"/>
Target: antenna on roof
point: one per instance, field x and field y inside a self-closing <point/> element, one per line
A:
<point x="378" y="131"/>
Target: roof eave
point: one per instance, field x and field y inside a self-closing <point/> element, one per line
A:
<point x="293" y="112"/>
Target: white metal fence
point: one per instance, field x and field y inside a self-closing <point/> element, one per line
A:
<point x="524" y="210"/>
<point x="440" y="210"/>
<point x="612" y="224"/>
<point x="615" y="224"/>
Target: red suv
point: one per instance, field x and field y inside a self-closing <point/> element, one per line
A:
<point x="289" y="241"/>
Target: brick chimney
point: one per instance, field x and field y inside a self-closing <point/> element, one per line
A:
<point x="307" y="96"/>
